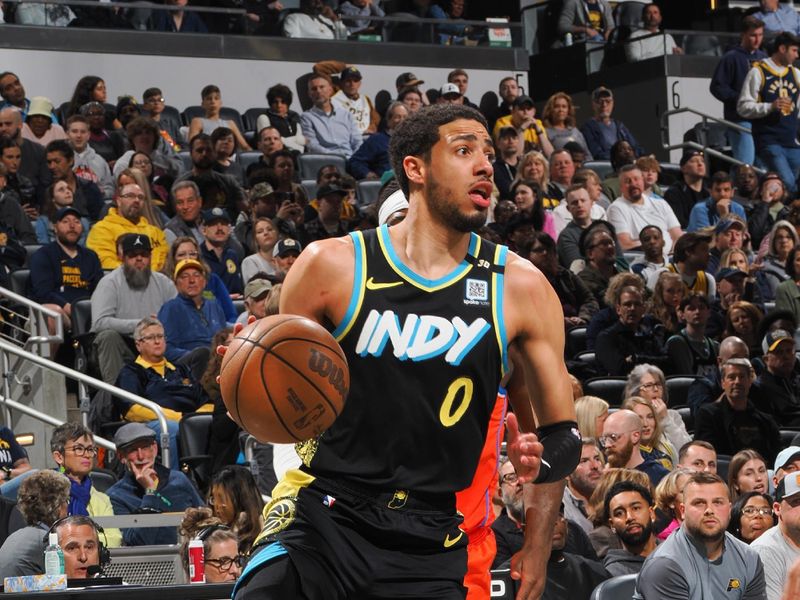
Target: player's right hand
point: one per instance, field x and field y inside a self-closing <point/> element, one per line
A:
<point x="222" y="348"/>
<point x="524" y="451"/>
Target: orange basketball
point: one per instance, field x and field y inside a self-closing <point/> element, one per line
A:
<point x="284" y="379"/>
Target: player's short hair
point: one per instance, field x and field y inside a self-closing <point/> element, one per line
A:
<point x="417" y="134"/>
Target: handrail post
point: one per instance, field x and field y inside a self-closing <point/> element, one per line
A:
<point x="6" y="388"/>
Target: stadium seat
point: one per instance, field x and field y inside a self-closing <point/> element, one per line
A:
<point x="608" y="388"/>
<point x="601" y="167"/>
<point x="678" y="389"/>
<point x="310" y="164"/>
<point x="787" y="436"/>
<point x="723" y="462"/>
<point x="769" y="306"/>
<point x="632" y="255"/>
<point x="587" y="356"/>
<point x="19" y="281"/>
<point x="367" y="192"/>
<point x="310" y="187"/>
<point x="616" y="588"/>
<point x="193" y="433"/>
<point x="29" y="250"/>
<point x="102" y="479"/>
<point x="81" y="333"/>
<point x="248" y="158"/>
<point x="250" y="117"/>
<point x="688" y="420"/>
<point x="576" y="341"/>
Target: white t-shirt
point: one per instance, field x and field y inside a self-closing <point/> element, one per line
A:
<point x="561" y="216"/>
<point x="632" y="218"/>
<point x="777" y="555"/>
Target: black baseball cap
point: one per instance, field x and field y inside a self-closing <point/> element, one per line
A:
<point x="330" y="188"/>
<point x="67" y="210"/>
<point x="522" y="100"/>
<point x="135" y="242"/>
<point x="689" y="155"/>
<point x="215" y="214"/>
<point x="350" y="73"/>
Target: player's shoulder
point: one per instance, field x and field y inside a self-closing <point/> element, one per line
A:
<point x="326" y="257"/>
<point x="522" y="275"/>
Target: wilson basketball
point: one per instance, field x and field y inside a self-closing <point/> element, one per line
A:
<point x="284" y="379"/>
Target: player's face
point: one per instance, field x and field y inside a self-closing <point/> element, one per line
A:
<point x="80" y="546"/>
<point x="706" y="510"/>
<point x="458" y="177"/>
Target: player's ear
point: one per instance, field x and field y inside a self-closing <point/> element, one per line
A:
<point x="414" y="166"/>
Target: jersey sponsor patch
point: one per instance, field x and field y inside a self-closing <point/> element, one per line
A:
<point x="420" y="337"/>
<point x="477" y="290"/>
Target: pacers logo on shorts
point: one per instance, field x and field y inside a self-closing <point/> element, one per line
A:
<point x="277" y="517"/>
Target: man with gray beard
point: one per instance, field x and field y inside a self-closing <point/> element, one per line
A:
<point x="508" y="527"/>
<point x="123" y="298"/>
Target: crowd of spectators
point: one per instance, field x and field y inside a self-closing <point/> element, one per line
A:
<point x="695" y="278"/>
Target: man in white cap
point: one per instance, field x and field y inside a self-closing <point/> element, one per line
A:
<point x="450" y="94"/>
<point x="788" y="461"/>
<point x="779" y="546"/>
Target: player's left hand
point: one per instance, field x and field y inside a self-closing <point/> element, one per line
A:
<point x="530" y="569"/>
<point x="524" y="451"/>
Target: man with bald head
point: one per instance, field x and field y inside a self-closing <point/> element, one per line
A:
<point x="621" y="434"/>
<point x="709" y="388"/>
<point x="33" y="164"/>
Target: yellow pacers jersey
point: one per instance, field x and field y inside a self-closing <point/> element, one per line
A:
<point x="426" y="359"/>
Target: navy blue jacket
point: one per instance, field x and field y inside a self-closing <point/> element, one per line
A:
<point x="188" y="327"/>
<point x="227" y="268"/>
<point x="175" y="493"/>
<point x="597" y="143"/>
<point x="728" y="78"/>
<point x="372" y="155"/>
<point x="178" y="390"/>
<point x="58" y="279"/>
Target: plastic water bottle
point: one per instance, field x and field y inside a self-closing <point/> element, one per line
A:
<point x="568" y="39"/>
<point x="197" y="567"/>
<point x="53" y="557"/>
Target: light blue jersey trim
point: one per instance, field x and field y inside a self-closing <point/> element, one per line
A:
<point x="428" y="284"/>
<point x="498" y="306"/>
<point x="269" y="553"/>
<point x="357" y="293"/>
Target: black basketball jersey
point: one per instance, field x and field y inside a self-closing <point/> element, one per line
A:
<point x="426" y="360"/>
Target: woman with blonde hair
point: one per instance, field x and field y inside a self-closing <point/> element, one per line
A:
<point x="652" y="443"/>
<point x="602" y="538"/>
<point x="592" y="414"/>
<point x="533" y="166"/>
<point x="648" y="382"/>
<point x="667" y="295"/>
<point x="669" y="494"/>
<point x="560" y="125"/>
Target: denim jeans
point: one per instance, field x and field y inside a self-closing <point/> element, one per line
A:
<point x="786" y="161"/>
<point x="742" y="146"/>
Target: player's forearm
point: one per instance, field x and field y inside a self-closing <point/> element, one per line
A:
<point x="542" y="502"/>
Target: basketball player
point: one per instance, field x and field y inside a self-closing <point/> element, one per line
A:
<point x="430" y="318"/>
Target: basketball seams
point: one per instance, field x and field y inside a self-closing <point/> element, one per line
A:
<point x="264" y="356"/>
<point x="303" y="375"/>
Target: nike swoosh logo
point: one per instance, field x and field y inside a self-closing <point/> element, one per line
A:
<point x="371" y="285"/>
<point x="448" y="542"/>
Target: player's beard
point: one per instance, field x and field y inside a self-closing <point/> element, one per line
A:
<point x="447" y="213"/>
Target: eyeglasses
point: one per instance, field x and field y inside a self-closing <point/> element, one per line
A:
<point x="226" y="562"/>
<point x="509" y="478"/>
<point x="79" y="450"/>
<point x="752" y="511"/>
<point x="651" y="386"/>
<point x="154" y="99"/>
<point x="153" y="337"/>
<point x="609" y="439"/>
<point x="132" y="196"/>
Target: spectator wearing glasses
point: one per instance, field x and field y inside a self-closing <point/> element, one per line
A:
<point x="222" y="560"/>
<point x="622" y="433"/>
<point x="752" y="516"/>
<point x="153" y="102"/>
<point x="73" y="450"/>
<point x="172" y="386"/>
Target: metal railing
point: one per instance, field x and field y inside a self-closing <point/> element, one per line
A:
<point x="7" y="349"/>
<point x="33" y="327"/>
<point x="702" y="145"/>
